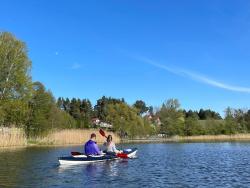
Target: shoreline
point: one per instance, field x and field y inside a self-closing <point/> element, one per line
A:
<point x="174" y="139"/>
<point x="190" y="139"/>
<point x="15" y="138"/>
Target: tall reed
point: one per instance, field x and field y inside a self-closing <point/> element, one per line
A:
<point x="12" y="137"/>
<point x="232" y="137"/>
<point x="73" y="136"/>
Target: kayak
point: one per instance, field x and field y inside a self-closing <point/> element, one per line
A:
<point x="83" y="159"/>
<point x="131" y="153"/>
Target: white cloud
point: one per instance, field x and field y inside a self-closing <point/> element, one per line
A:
<point x="76" y="66"/>
<point x="195" y="76"/>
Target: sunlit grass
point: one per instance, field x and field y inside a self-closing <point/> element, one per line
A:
<point x="71" y="136"/>
<point x="12" y="137"/>
<point x="214" y="137"/>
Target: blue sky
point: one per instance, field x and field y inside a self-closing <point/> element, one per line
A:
<point x="196" y="51"/>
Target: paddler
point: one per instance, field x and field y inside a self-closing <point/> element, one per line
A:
<point x="110" y="146"/>
<point x="91" y="148"/>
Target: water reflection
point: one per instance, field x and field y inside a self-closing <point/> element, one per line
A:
<point x="158" y="165"/>
<point x="109" y="168"/>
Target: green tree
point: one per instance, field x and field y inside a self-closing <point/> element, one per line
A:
<point x="141" y="107"/>
<point x="59" y="119"/>
<point x="15" y="113"/>
<point x="208" y="114"/>
<point x="40" y="110"/>
<point x="247" y="119"/>
<point x="75" y="109"/>
<point x="230" y="122"/>
<point x="172" y="118"/>
<point x="125" y="120"/>
<point x="15" y="80"/>
<point x="192" y="126"/>
<point x="191" y="113"/>
<point x="86" y="111"/>
<point x="75" y="112"/>
<point x="101" y="106"/>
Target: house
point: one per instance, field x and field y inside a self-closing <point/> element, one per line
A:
<point x="95" y="121"/>
<point x="105" y="125"/>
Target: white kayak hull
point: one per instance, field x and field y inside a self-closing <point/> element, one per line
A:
<point x="133" y="154"/>
<point x="67" y="162"/>
<point x="83" y="159"/>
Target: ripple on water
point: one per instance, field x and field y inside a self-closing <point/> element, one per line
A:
<point x="157" y="165"/>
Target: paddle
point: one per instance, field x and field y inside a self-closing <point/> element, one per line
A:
<point x="102" y="133"/>
<point x="120" y="155"/>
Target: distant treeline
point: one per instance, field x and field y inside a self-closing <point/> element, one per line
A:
<point x="175" y="121"/>
<point x="29" y="105"/>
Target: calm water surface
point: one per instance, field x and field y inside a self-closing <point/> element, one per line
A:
<point x="157" y="165"/>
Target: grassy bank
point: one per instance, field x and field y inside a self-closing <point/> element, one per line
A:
<point x="15" y="137"/>
<point x="201" y="138"/>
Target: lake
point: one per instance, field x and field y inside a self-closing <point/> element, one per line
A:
<point x="157" y="165"/>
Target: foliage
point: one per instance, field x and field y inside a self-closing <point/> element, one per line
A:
<point x="208" y="114"/>
<point x="102" y="104"/>
<point x="126" y="120"/>
<point x="40" y="106"/>
<point x="172" y="118"/>
<point x="141" y="107"/>
<point x="15" y="80"/>
<point x="44" y="114"/>
<point x="80" y="110"/>
<point x="203" y="114"/>
<point x="192" y="126"/>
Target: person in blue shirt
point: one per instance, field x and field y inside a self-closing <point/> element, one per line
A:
<point x="91" y="147"/>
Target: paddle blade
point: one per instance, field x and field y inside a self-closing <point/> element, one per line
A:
<point x="102" y="132"/>
<point x="75" y="153"/>
<point x="122" y="155"/>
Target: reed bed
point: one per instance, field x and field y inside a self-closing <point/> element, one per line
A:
<point x="15" y="137"/>
<point x="201" y="138"/>
<point x="233" y="137"/>
<point x="72" y="136"/>
<point x="12" y="137"/>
